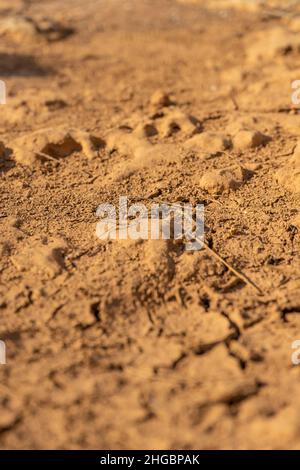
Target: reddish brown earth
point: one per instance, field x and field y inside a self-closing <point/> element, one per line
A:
<point x="127" y="344"/>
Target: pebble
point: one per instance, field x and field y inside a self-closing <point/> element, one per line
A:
<point x="246" y="139"/>
<point x="218" y="181"/>
<point x="209" y="142"/>
<point x="160" y="99"/>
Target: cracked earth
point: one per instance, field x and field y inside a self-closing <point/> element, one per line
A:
<point x="140" y="344"/>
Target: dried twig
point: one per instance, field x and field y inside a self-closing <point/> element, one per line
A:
<point x="233" y="99"/>
<point x="236" y="272"/>
<point x="239" y="274"/>
<point x="47" y="157"/>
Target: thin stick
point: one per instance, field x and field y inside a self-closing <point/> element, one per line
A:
<point x="239" y="274"/>
<point x="48" y="157"/>
<point x="233" y="99"/>
<point x="227" y="153"/>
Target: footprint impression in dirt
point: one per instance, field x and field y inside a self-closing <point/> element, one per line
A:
<point x="52" y="144"/>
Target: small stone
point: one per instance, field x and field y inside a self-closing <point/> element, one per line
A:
<point x="253" y="166"/>
<point x="160" y="99"/>
<point x="209" y="142"/>
<point x="218" y="181"/>
<point x="246" y="139"/>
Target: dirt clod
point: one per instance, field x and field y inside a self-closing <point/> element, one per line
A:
<point x="208" y="142"/>
<point x="224" y="180"/>
<point x="249" y="139"/>
<point x="54" y="143"/>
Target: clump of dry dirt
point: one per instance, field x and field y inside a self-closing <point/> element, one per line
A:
<point x="139" y="343"/>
